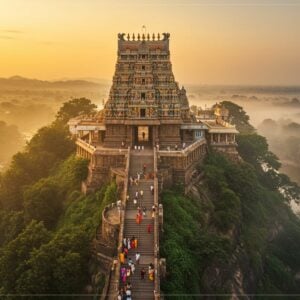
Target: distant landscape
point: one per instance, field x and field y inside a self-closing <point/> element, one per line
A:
<point x="273" y="110"/>
<point x="27" y="104"/>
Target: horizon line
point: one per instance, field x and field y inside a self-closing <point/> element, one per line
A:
<point x="92" y="79"/>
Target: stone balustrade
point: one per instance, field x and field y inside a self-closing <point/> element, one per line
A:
<point x="156" y="232"/>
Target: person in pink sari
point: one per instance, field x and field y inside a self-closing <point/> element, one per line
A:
<point x="123" y="274"/>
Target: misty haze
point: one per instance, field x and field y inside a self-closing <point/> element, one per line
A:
<point x="28" y="104"/>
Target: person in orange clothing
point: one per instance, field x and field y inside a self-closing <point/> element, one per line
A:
<point x="151" y="274"/>
<point x="137" y="219"/>
<point x="149" y="228"/>
<point x="132" y="242"/>
<point x="140" y="217"/>
<point x="122" y="257"/>
<point x="135" y="243"/>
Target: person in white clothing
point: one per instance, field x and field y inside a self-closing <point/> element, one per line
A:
<point x="137" y="257"/>
<point x="132" y="268"/>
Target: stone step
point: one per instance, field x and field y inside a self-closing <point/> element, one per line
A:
<point x="141" y="289"/>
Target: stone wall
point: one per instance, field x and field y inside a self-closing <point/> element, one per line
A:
<point x="177" y="167"/>
<point x="101" y="163"/>
<point x="109" y="230"/>
<point x="169" y="135"/>
<point x="229" y="150"/>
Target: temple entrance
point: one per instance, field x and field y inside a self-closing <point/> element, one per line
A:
<point x="143" y="135"/>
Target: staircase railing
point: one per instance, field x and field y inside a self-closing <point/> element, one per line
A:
<point x="114" y="279"/>
<point x="156" y="233"/>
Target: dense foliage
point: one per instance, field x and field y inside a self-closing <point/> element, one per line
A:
<point x="188" y="245"/>
<point x="46" y="224"/>
<point x="238" y="221"/>
<point x="74" y="108"/>
<point x="239" y="117"/>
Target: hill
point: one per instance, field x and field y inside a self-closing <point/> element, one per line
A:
<point x="235" y="233"/>
<point x="21" y="83"/>
<point x="46" y="224"/>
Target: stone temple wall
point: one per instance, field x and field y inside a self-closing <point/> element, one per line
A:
<point x="178" y="167"/>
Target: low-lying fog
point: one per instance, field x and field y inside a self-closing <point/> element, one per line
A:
<point x="274" y="111"/>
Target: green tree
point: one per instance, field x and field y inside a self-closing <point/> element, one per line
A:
<point x="69" y="273"/>
<point x="11" y="224"/>
<point x="74" y="108"/>
<point x="54" y="140"/>
<point x="49" y="147"/>
<point x="43" y="202"/>
<point x="71" y="173"/>
<point x="58" y="266"/>
<point x="14" y="255"/>
<point x="239" y="117"/>
<point x="254" y="149"/>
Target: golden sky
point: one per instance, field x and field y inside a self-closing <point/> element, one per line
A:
<point x="212" y="41"/>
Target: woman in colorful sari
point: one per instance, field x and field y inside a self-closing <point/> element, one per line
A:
<point x="151" y="274"/>
<point x="123" y="274"/>
<point x="132" y="243"/>
<point x="140" y="217"/>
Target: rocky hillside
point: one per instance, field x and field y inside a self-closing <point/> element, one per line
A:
<point x="235" y="233"/>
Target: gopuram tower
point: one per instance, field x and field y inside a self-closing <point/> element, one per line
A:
<point x="145" y="103"/>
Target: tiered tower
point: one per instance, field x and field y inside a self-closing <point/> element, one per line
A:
<point x="144" y="92"/>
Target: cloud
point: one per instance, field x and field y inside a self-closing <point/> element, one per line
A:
<point x="7" y="37"/>
<point x="13" y="31"/>
<point x="10" y="34"/>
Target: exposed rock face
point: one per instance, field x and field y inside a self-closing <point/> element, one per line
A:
<point x="234" y="277"/>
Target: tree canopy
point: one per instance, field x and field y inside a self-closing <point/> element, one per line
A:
<point x="74" y="108"/>
<point x="238" y="117"/>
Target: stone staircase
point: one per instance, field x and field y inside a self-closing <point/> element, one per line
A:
<point x="141" y="289"/>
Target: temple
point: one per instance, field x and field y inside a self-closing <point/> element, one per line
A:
<point x="147" y="108"/>
<point x="145" y="130"/>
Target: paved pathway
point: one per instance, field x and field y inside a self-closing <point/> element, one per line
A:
<point x="141" y="289"/>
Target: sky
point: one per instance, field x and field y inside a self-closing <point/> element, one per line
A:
<point x="212" y="41"/>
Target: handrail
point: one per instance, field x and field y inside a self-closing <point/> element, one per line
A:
<point x="88" y="147"/>
<point x="186" y="150"/>
<point x="116" y="275"/>
<point x="156" y="232"/>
